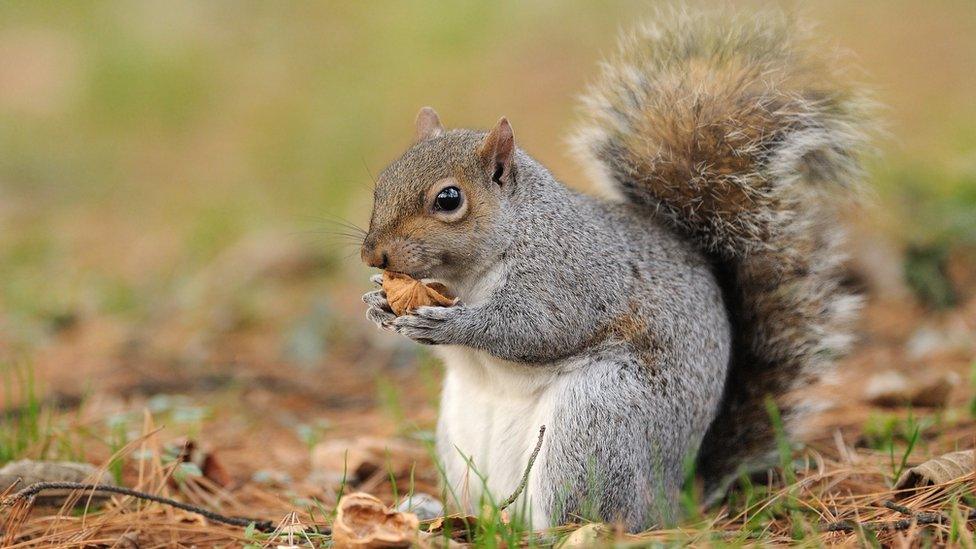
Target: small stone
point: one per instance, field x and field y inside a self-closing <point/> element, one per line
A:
<point x="425" y="506"/>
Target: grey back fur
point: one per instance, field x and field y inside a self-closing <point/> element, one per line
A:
<point x="740" y="132"/>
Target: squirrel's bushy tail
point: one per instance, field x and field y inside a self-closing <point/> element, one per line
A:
<point x="736" y="133"/>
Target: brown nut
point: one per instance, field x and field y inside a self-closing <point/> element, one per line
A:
<point x="405" y="294"/>
<point x="363" y="521"/>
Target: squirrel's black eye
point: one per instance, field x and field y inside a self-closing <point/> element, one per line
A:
<point x="448" y="200"/>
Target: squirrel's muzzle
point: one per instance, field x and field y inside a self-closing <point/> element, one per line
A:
<point x="375" y="256"/>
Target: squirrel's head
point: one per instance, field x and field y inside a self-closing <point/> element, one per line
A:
<point x="437" y="209"/>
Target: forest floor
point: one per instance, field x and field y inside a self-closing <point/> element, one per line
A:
<point x="285" y="415"/>
<point x="164" y="279"/>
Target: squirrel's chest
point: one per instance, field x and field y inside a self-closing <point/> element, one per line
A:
<point x="491" y="411"/>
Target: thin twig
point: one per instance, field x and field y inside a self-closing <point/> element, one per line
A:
<point x="924" y="517"/>
<point x="31" y="491"/>
<point x="899" y="508"/>
<point x="525" y="476"/>
<point x="921" y="518"/>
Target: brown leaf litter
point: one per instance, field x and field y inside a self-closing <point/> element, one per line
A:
<point x="940" y="470"/>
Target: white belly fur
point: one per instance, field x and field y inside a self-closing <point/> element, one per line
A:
<point x="491" y="412"/>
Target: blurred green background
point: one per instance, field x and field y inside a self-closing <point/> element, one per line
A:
<point x="140" y="141"/>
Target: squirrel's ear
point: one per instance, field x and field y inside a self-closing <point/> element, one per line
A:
<point x="428" y="124"/>
<point x="498" y="151"/>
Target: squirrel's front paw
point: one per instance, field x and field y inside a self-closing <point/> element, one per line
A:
<point x="429" y="325"/>
<point x="378" y="310"/>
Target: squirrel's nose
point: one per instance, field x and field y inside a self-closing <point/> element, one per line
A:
<point x="376" y="257"/>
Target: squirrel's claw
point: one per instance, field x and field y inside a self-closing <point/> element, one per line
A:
<point x="379" y="311"/>
<point x="437" y="313"/>
<point x="377" y="279"/>
<point x="428" y="325"/>
<point x="381" y="318"/>
<point x="377" y="298"/>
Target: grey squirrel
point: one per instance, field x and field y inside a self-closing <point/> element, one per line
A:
<point x="655" y="327"/>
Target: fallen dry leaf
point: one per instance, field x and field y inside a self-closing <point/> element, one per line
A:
<point x="938" y="470"/>
<point x="592" y="535"/>
<point x="362" y="457"/>
<point x="437" y="541"/>
<point x="28" y="472"/>
<point x="892" y="388"/>
<point x="188" y="451"/>
<point x="128" y="540"/>
<point x="458" y="527"/>
<point x="362" y="521"/>
<point x="406" y="294"/>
